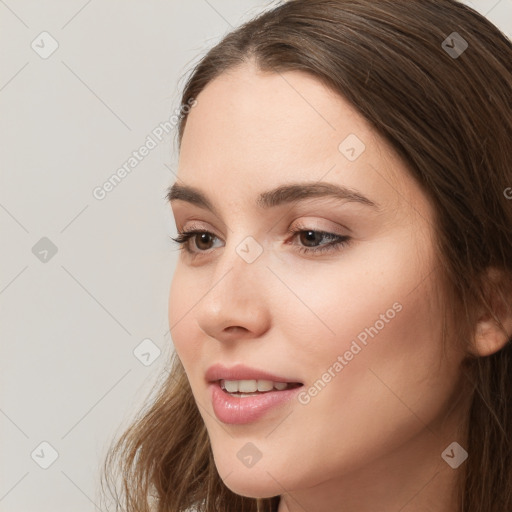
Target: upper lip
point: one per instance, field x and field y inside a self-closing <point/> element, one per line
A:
<point x="241" y="372"/>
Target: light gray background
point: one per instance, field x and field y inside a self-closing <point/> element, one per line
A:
<point x="70" y="324"/>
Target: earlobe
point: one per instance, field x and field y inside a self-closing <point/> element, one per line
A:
<point x="490" y="336"/>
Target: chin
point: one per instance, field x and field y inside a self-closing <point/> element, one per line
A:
<point x="244" y="484"/>
<point x="258" y="481"/>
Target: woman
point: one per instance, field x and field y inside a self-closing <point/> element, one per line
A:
<point x="342" y="304"/>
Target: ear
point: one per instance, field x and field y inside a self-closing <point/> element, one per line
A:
<point x="490" y="336"/>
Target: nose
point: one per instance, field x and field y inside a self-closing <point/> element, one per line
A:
<point x="237" y="303"/>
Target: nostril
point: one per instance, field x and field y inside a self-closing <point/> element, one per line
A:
<point x="234" y="328"/>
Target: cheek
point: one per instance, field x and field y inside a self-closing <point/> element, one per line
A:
<point x="372" y="352"/>
<point x="359" y="297"/>
<point x="186" y="336"/>
<point x="180" y="313"/>
<point x="382" y="394"/>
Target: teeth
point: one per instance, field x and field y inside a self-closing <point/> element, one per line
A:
<point x="251" y="386"/>
<point x="247" y="386"/>
<point x="265" y="385"/>
<point x="231" y="386"/>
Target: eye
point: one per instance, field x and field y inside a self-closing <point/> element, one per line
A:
<point x="308" y="237"/>
<point x="201" y="236"/>
<point x="312" y="236"/>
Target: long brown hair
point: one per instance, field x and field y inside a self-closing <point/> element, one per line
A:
<point x="447" y="111"/>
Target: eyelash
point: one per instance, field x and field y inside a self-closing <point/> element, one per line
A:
<point x="340" y="242"/>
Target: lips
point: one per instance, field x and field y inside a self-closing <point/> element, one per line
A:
<point x="241" y="394"/>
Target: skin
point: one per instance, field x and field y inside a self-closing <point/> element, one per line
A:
<point x="372" y="439"/>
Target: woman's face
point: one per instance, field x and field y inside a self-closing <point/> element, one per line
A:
<point x="357" y="324"/>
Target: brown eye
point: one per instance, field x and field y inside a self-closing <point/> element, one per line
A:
<point x="311" y="238"/>
<point x="202" y="239"/>
<point x="310" y="241"/>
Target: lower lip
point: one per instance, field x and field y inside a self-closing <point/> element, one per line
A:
<point x="239" y="410"/>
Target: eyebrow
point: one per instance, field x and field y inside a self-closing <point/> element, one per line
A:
<point x="284" y="194"/>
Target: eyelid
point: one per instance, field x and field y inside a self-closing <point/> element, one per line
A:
<point x="195" y="225"/>
<point x="312" y="225"/>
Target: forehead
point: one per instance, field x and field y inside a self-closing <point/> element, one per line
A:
<point x="251" y="131"/>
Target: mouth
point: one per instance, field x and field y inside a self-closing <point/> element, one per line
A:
<point x="241" y="394"/>
<point x="249" y="400"/>
<point x="249" y="388"/>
